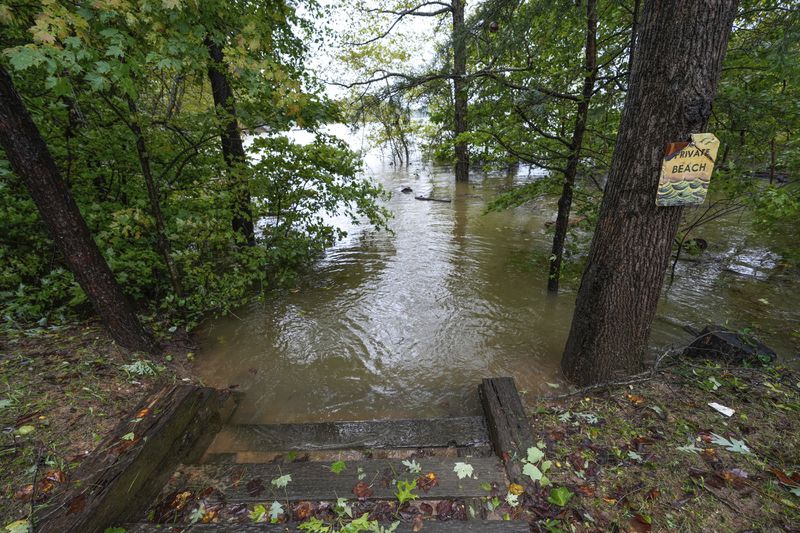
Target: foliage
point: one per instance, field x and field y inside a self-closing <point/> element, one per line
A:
<point x="92" y="75"/>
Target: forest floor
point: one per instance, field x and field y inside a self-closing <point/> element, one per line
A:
<point x="60" y="391"/>
<point x="653" y="456"/>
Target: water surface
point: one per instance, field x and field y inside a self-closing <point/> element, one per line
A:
<point x="405" y="324"/>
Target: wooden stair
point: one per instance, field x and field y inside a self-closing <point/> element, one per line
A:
<point x="239" y="467"/>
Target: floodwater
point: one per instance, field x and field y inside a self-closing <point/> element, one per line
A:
<point x="405" y="324"/>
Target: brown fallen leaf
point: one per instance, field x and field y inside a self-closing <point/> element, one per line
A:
<point x="586" y="490"/>
<point x="56" y="476"/>
<point x="255" y="487"/>
<point x="362" y="490"/>
<point x="653" y="493"/>
<point x="516" y="489"/>
<point x="427" y="482"/>
<point x="635" y="399"/>
<point x="793" y="481"/>
<point x="417" y="524"/>
<point x="24" y="494"/>
<point x="77" y="504"/>
<point x="302" y="511"/>
<point x="143" y="413"/>
<point x="639" y="524"/>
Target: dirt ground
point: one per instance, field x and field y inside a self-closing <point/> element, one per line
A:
<point x="652" y="456"/>
<point x="60" y="392"/>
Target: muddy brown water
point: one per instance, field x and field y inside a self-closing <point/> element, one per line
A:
<point x="405" y="324"/>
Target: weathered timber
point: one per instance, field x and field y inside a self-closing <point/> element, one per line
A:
<point x="509" y="429"/>
<point x="122" y="476"/>
<point x="243" y="483"/>
<point x="429" y="526"/>
<point x="424" y="199"/>
<point x="425" y="433"/>
<point x="717" y="342"/>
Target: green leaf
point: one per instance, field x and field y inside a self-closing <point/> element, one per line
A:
<point x="128" y="436"/>
<point x="275" y="510"/>
<point x="535" y="454"/>
<point x="413" y="466"/>
<point x="560" y="496"/>
<point x="405" y="491"/>
<point x="337" y="467"/>
<point x="532" y="471"/>
<point x="25" y="430"/>
<point x="259" y="513"/>
<point x="24" y="57"/>
<point x="463" y="470"/>
<point x="733" y="445"/>
<point x="5" y="403"/>
<point x="20" y="526"/>
<point x="282" y="481"/>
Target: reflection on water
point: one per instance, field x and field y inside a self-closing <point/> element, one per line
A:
<point x="406" y="324"/>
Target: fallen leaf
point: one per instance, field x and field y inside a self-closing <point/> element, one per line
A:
<point x="635" y="399"/>
<point x="362" y="490"/>
<point x="143" y="413"/>
<point x="302" y="511"/>
<point x="24" y="494"/>
<point x="653" y="493"/>
<point x="516" y="489"/>
<point x="793" y="481"/>
<point x="427" y="482"/>
<point x="56" y="476"/>
<point x="640" y="524"/>
<point x="77" y="504"/>
<point x="416" y="525"/>
<point x="255" y="487"/>
<point x="586" y="490"/>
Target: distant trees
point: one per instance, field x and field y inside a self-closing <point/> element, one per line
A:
<point x="673" y="83"/>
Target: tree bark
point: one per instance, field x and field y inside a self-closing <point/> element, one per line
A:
<point x="31" y="160"/>
<point x="154" y="197"/>
<point x="460" y="93"/>
<point x="674" y="80"/>
<point x="565" y="202"/>
<point x="232" y="147"/>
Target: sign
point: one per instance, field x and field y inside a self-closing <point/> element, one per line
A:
<point x="686" y="170"/>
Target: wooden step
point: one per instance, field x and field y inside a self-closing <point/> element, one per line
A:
<point x="429" y="526"/>
<point x="247" y="483"/>
<point x="423" y="433"/>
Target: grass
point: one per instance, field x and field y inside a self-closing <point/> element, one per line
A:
<point x="60" y="392"/>
<point x="645" y="457"/>
<point x="648" y="458"/>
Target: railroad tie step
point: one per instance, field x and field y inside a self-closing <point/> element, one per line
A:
<point x="467" y="431"/>
<point x="429" y="526"/>
<point x="316" y="481"/>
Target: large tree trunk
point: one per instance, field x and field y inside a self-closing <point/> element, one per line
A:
<point x="154" y="197"/>
<point x="565" y="202"/>
<point x="674" y="80"/>
<point x="29" y="157"/>
<point x="232" y="147"/>
<point x="460" y="93"/>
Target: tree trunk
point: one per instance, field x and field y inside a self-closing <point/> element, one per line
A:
<point x="31" y="160"/>
<point x="565" y="202"/>
<point x="460" y="93"/>
<point x="162" y="243"/>
<point x="674" y="80"/>
<point x="232" y="147"/>
<point x="772" y="160"/>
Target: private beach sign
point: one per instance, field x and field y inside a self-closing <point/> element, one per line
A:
<point x="686" y="170"/>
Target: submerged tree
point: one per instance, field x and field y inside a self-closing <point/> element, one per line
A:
<point x="673" y="82"/>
